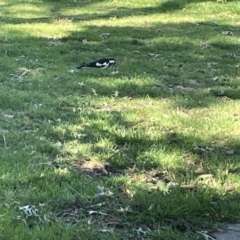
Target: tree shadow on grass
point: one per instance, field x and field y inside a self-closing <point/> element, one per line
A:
<point x="184" y="71"/>
<point x="54" y="9"/>
<point x="147" y="202"/>
<point x="131" y="139"/>
<point x="142" y="202"/>
<point x="134" y="146"/>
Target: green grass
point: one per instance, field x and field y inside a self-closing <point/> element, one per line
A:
<point x="158" y="161"/>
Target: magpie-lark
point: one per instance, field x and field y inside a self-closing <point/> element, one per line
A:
<point x="100" y="64"/>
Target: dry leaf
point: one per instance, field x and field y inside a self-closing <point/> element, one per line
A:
<point x="230" y="152"/>
<point x="229" y="187"/>
<point x="123" y="210"/>
<point x="172" y="184"/>
<point x="205" y="46"/>
<point x="20" y="77"/>
<point x="193" y="81"/>
<point x="215" y="78"/>
<point x="140" y="231"/>
<point x="228" y="33"/>
<point x="200" y="170"/>
<point x="96" y="212"/>
<point x="105" y="230"/>
<point x="153" y="55"/>
<point x="128" y="192"/>
<point x="113" y="222"/>
<point x="104" y="34"/>
<point x="205" y="235"/>
<point x="81" y="84"/>
<point x="89" y="221"/>
<point x="102" y="192"/>
<point x="188" y="186"/>
<point x="116" y="93"/>
<point x="7" y="116"/>
<point x="94" y="91"/>
<point x="19" y="58"/>
<point x="114" y="72"/>
<point x="204" y="176"/>
<point x="150" y="207"/>
<point x="183" y="89"/>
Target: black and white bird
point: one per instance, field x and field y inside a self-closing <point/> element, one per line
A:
<point x="100" y="64"/>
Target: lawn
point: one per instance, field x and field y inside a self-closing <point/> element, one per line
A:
<point x="148" y="149"/>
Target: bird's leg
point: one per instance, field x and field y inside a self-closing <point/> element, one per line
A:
<point x="100" y="72"/>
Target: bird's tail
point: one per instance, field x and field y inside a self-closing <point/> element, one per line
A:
<point x="82" y="66"/>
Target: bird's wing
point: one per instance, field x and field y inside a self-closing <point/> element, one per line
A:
<point x="98" y="64"/>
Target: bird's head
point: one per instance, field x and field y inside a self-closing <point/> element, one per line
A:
<point x="112" y="61"/>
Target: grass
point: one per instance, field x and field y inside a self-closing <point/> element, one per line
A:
<point x="158" y="159"/>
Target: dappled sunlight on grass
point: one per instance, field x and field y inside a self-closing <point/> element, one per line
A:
<point x="25" y="11"/>
<point x="42" y="30"/>
<point x="146" y="149"/>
